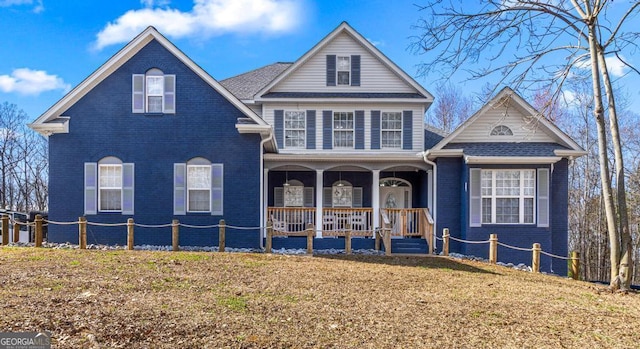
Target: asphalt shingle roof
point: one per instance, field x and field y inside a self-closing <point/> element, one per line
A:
<point x="341" y="95"/>
<point x="507" y="149"/>
<point x="245" y="86"/>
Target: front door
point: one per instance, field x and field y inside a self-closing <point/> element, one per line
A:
<point x="395" y="198"/>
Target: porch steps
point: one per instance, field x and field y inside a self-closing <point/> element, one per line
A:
<point x="409" y="246"/>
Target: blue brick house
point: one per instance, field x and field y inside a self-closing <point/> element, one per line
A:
<point x="336" y="139"/>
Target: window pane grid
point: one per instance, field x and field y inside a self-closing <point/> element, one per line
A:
<point x="110" y="183"/>
<point x="391" y="129"/>
<point x="343" y="130"/>
<point x="199" y="188"/>
<point x="343" y="69"/>
<point x="508" y="196"/>
<point x="295" y="129"/>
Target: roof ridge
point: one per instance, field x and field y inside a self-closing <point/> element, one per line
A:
<point x="254" y="70"/>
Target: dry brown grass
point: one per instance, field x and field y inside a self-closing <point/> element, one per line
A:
<point x="138" y="299"/>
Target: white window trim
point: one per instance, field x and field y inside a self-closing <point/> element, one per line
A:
<point x="338" y="70"/>
<point x="285" y="129"/>
<point x="521" y="197"/>
<point x="334" y="130"/>
<point x="100" y="187"/>
<point x="189" y="188"/>
<point x="382" y="130"/>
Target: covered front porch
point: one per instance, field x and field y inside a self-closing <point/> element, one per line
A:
<point x="359" y="198"/>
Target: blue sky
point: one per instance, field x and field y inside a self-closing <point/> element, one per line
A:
<point x="47" y="47"/>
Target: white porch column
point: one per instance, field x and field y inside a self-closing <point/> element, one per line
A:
<point x="319" y="201"/>
<point x="375" y="199"/>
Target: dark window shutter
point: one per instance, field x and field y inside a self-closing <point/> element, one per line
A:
<point x="307" y="196"/>
<point x="375" y="129"/>
<point x="327" y="129"/>
<point x="355" y="70"/>
<point x="359" y="124"/>
<point x="278" y="124"/>
<point x="331" y="70"/>
<point x="327" y="197"/>
<point x="357" y="197"/>
<point x="311" y="129"/>
<point x="278" y="197"/>
<point x="407" y="129"/>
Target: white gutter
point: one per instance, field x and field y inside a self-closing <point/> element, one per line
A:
<point x="435" y="194"/>
<point x="262" y="198"/>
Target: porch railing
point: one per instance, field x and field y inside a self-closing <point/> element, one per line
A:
<point x="336" y="220"/>
<point x="405" y="222"/>
<point x="291" y="219"/>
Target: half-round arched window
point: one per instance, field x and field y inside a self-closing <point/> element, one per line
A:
<point x="501" y="130"/>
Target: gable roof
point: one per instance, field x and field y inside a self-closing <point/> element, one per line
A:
<point x="246" y="85"/>
<point x="51" y="121"/>
<point x="565" y="145"/>
<point x="344" y="27"/>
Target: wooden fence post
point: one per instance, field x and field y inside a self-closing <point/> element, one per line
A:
<point x="493" y="248"/>
<point x="268" y="244"/>
<point x="347" y="239"/>
<point x="387" y="242"/>
<point x="130" y="234"/>
<point x="82" y="232"/>
<point x="535" y="261"/>
<point x="377" y="243"/>
<point x="38" y="230"/>
<point x="445" y="241"/>
<point x="175" y="235"/>
<point x="575" y="265"/>
<point x="310" y="235"/>
<point x="5" y="229"/>
<point x="221" y="236"/>
<point x="16" y="232"/>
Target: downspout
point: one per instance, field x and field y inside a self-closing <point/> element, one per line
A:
<point x="435" y="193"/>
<point x="262" y="189"/>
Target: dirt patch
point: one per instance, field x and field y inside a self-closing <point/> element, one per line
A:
<point x="139" y="299"/>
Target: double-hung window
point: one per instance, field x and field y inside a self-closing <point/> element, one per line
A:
<point x="154" y="92"/>
<point x="508" y="196"/>
<point x="343" y="129"/>
<point x="198" y="187"/>
<point x="108" y="186"/>
<point x="343" y="70"/>
<point x="295" y="129"/>
<point x="391" y="130"/>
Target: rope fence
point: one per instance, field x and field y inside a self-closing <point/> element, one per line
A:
<point x="310" y="232"/>
<point x="493" y="242"/>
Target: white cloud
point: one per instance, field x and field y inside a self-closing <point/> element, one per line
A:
<point x="206" y="18"/>
<point x="38" y="6"/>
<point x="614" y="65"/>
<point x="31" y="82"/>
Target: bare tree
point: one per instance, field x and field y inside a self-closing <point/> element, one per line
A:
<point x="450" y="109"/>
<point x="529" y="43"/>
<point x="23" y="162"/>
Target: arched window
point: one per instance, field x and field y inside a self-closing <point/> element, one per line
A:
<point x="342" y="194"/>
<point x="501" y="130"/>
<point x="110" y="184"/>
<point x="154" y="92"/>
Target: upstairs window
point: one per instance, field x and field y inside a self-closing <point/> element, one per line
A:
<point x="391" y="130"/>
<point x="501" y="130"/>
<point x="154" y="92"/>
<point x="295" y="129"/>
<point x="343" y="130"/>
<point x="344" y="70"/>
